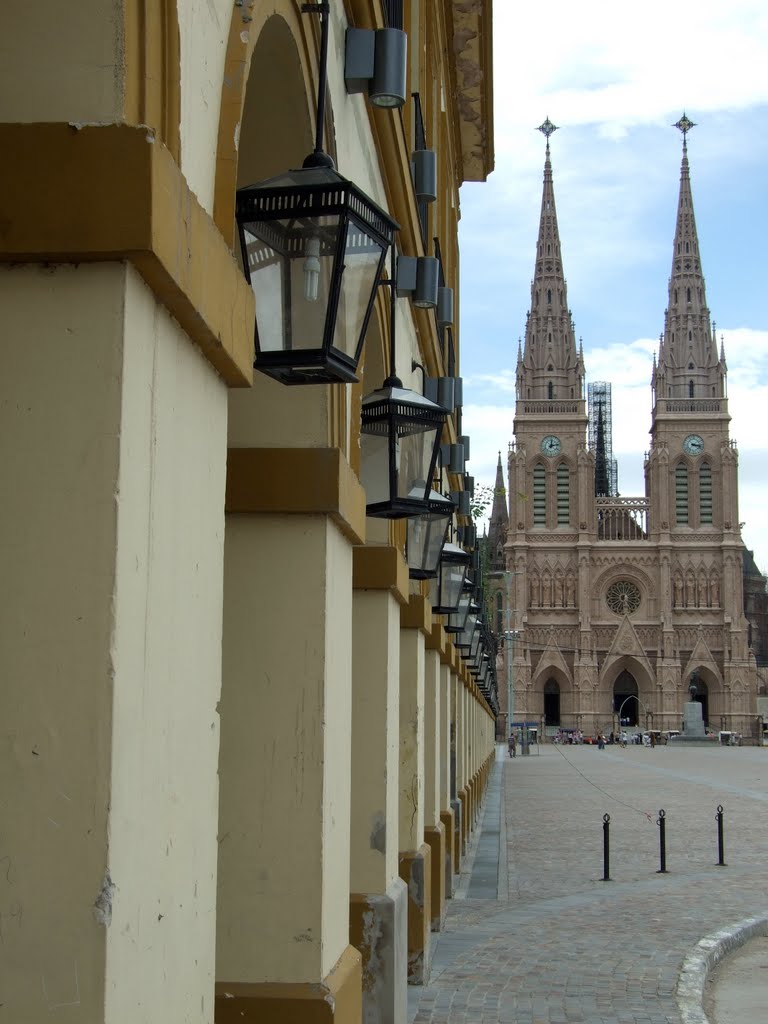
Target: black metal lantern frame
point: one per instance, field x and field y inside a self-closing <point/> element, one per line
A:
<point x="400" y="433"/>
<point x="313" y="247"/>
<point x="457" y="620"/>
<point x="446" y="590"/>
<point x="426" y="537"/>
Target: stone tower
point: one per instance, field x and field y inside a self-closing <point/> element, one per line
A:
<point x="621" y="600"/>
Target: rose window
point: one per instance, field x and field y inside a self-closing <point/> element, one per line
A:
<point x="623" y="597"/>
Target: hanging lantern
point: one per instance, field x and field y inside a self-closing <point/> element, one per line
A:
<point x="400" y="440"/>
<point x="457" y="620"/>
<point x="426" y="536"/>
<point x="313" y="247"/>
<point x="446" y="588"/>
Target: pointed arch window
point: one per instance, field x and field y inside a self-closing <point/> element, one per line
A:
<point x="549" y="296"/>
<point x="690" y="389"/>
<point x="539" y="495"/>
<point x="499" y="612"/>
<point x="550" y="390"/>
<point x="563" y="495"/>
<point x="687" y="293"/>
<point x="681" y="493"/>
<point x="705" y="493"/>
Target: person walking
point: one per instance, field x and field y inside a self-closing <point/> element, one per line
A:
<point x="512" y="745"/>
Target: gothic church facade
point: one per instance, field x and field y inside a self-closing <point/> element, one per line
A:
<point x="619" y="603"/>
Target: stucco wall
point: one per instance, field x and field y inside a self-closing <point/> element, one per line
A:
<point x="111" y="533"/>
<point x="61" y="62"/>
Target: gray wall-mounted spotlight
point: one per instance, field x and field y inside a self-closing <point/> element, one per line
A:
<point x="375" y="61"/>
<point x="418" y="276"/>
<point x="444" y="306"/>
<point x="453" y="456"/>
<point x="425" y="175"/>
<point x="462" y="501"/>
<point x="442" y="391"/>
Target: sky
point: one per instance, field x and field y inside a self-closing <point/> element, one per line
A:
<point x="615" y="79"/>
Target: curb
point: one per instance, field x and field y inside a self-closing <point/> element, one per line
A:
<point x="703" y="957"/>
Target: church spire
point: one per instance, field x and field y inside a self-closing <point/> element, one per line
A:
<point x="689" y="365"/>
<point x="499" y="522"/>
<point x="550" y="364"/>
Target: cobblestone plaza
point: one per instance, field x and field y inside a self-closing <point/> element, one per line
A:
<point x="536" y="937"/>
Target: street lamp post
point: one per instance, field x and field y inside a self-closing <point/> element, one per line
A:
<point x="509" y="638"/>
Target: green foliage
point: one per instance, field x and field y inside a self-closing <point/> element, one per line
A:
<point x="481" y="500"/>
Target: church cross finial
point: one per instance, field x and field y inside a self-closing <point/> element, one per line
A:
<point x="547" y="128"/>
<point x="684" y="125"/>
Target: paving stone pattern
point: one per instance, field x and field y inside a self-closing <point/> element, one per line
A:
<point x="546" y="941"/>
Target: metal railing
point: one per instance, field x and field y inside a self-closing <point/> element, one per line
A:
<point x="622" y="518"/>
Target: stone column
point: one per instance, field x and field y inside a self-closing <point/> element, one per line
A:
<point x="434" y="829"/>
<point x="444" y="762"/>
<point x="378" y="901"/>
<point x="415" y="863"/>
<point x="283" y="948"/>
<point x="113" y="457"/>
<point x="457" y="788"/>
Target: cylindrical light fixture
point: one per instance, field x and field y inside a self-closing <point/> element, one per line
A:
<point x="387" y="87"/>
<point x="444" y="306"/>
<point x="427" y="279"/>
<point x="425" y="175"/>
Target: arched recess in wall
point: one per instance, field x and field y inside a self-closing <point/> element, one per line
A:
<point x="153" y="69"/>
<point x="267" y="100"/>
<point x="266" y="126"/>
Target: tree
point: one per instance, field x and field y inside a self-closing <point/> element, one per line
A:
<point x="481" y="500"/>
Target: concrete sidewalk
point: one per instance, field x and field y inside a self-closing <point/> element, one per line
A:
<point x="536" y="937"/>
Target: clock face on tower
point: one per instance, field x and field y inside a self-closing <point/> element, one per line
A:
<point x="693" y="444"/>
<point x="550" y="445"/>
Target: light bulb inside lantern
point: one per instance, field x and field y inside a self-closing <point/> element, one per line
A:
<point x="312" y="269"/>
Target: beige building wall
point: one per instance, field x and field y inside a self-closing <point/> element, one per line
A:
<point x="110" y="652"/>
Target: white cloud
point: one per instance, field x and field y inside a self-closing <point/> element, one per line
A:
<point x="615" y="78"/>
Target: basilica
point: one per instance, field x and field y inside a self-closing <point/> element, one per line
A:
<point x="612" y="606"/>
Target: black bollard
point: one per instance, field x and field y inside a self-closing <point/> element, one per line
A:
<point x="661" y="822"/>
<point x="720" y="839"/>
<point x="606" y="848"/>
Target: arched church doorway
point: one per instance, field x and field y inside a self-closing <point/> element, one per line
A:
<point x="626" y="687"/>
<point x="702" y="696"/>
<point x="551" y="702"/>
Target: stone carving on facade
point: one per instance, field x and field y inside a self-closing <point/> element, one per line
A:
<point x="697" y="592"/>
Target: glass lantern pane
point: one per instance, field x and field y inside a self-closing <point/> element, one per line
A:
<point x="413" y="464"/>
<point x="363" y="256"/>
<point x="267" y="269"/>
<point x="374" y="467"/>
<point x="453" y="581"/>
<point x="291" y="263"/>
<point x="312" y="254"/>
<point x="426" y="534"/>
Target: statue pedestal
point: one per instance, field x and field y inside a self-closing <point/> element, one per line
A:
<point x="693" y="722"/>
<point x="693" y="733"/>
